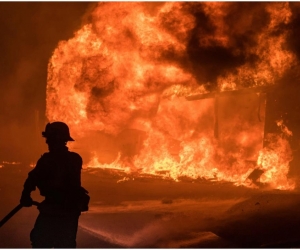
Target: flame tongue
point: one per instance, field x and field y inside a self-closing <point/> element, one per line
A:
<point x="130" y="67"/>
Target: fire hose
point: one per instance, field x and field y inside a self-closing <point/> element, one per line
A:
<point x="13" y="212"/>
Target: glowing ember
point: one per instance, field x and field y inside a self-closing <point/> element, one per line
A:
<point x="284" y="129"/>
<point x="274" y="161"/>
<point x="120" y="83"/>
<point x="11" y="162"/>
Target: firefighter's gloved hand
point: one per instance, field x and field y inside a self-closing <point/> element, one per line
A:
<point x="26" y="200"/>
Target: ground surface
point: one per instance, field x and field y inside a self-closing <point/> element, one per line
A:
<point x="151" y="212"/>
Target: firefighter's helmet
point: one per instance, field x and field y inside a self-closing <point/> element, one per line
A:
<point x="57" y="129"/>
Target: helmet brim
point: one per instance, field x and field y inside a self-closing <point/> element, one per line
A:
<point x="46" y="135"/>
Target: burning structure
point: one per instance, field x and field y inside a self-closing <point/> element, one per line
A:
<point x="186" y="115"/>
<point x="134" y="84"/>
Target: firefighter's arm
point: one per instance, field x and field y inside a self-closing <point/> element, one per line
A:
<point x="29" y="186"/>
<point x="76" y="173"/>
<point x="26" y="199"/>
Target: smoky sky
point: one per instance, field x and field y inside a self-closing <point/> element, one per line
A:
<point x="244" y="22"/>
<point x="293" y="40"/>
<point x="29" y="33"/>
<point x="208" y="63"/>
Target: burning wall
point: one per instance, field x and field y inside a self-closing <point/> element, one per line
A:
<point x="122" y="82"/>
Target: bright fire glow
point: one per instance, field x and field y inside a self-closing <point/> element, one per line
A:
<point x="274" y="161"/>
<point x="120" y="84"/>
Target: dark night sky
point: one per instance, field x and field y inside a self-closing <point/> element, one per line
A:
<point x="29" y="32"/>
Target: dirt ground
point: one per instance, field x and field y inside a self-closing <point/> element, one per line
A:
<point x="144" y="212"/>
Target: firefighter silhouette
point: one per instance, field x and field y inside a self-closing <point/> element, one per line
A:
<point x="57" y="175"/>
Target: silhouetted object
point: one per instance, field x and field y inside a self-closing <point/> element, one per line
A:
<point x="57" y="175"/>
<point x="13" y="212"/>
<point x="255" y="175"/>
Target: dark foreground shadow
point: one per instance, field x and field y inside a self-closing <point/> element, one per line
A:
<point x="269" y="220"/>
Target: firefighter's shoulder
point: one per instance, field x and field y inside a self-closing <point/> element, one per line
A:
<point x="75" y="158"/>
<point x="44" y="157"/>
<point x="42" y="162"/>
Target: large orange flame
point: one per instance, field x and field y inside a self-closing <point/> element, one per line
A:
<point x="121" y="82"/>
